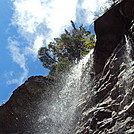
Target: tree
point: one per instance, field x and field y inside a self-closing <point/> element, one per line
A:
<point x="88" y="43"/>
<point x="70" y="46"/>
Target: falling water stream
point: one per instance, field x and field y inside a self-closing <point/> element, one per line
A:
<point x="127" y="60"/>
<point x="60" y="117"/>
<point x="127" y="74"/>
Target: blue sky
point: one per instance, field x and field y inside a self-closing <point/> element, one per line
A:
<point x="26" y="25"/>
<point x="9" y="69"/>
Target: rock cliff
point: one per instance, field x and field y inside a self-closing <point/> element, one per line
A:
<point x="18" y="115"/>
<point x="110" y="107"/>
<point x="109" y="110"/>
<point x="110" y="29"/>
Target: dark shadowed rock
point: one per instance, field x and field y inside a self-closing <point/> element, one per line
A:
<point x="109" y="110"/>
<point x="111" y="107"/>
<point x="110" y="29"/>
<point x="18" y="114"/>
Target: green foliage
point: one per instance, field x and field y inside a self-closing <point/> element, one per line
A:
<point x="67" y="49"/>
<point x="62" y="66"/>
<point x="46" y="59"/>
<point x="88" y="43"/>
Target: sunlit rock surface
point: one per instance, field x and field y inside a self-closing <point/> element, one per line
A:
<point x="110" y="108"/>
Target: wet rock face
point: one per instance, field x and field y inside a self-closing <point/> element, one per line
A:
<point x="110" y="108"/>
<point x="20" y="112"/>
<point x="110" y="28"/>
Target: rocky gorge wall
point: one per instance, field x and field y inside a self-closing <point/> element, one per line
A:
<point x="109" y="109"/>
<point x="110" y="29"/>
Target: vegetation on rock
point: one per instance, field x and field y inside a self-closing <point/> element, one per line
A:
<point x="66" y="50"/>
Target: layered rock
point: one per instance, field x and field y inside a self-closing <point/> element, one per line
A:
<point x="109" y="109"/>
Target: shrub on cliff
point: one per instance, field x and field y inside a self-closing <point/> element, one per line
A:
<point x="67" y="49"/>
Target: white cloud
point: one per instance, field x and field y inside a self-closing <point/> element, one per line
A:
<point x="28" y="14"/>
<point x="38" y="43"/>
<point x="39" y="21"/>
<point x="95" y="8"/>
<point x="42" y="20"/>
<point x="19" y="58"/>
<point x="19" y="80"/>
<point x="11" y="73"/>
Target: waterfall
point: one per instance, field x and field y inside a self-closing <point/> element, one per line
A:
<point x="128" y="50"/>
<point x="128" y="59"/>
<point x="60" y="117"/>
<point x="58" y="114"/>
<point x="126" y="75"/>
